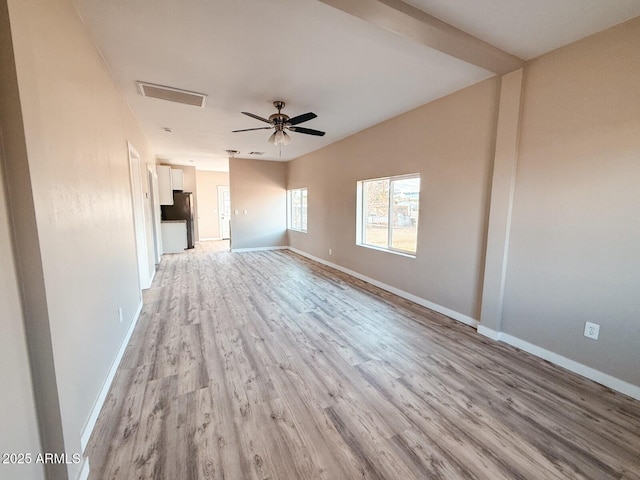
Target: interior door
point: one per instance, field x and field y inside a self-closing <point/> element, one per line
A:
<point x="224" y="211"/>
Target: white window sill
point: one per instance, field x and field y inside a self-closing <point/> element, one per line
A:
<point x="387" y="250"/>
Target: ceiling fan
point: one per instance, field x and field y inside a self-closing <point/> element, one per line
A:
<point x="281" y="123"/>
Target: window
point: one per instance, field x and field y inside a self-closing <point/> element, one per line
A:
<point x="297" y="209"/>
<point x="388" y="213"/>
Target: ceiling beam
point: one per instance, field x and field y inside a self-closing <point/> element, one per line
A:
<point x="408" y="21"/>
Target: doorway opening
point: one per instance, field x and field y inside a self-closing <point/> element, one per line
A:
<point x="154" y="195"/>
<point x="139" y="230"/>
<point x="224" y="211"/>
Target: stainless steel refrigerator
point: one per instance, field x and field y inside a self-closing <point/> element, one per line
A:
<point x="182" y="209"/>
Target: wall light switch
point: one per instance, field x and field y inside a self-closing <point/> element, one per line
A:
<point x="236" y="212"/>
<point x="244" y="212"/>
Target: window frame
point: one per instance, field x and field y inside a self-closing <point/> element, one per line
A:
<point x="304" y="194"/>
<point x="360" y="215"/>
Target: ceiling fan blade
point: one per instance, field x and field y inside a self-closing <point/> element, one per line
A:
<point x="257" y="117"/>
<point x="249" y="129"/>
<point x="308" y="131"/>
<point x="305" y="117"/>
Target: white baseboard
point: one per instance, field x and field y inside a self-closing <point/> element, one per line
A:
<point x="84" y="471"/>
<point x="591" y="373"/>
<point x="401" y="293"/>
<point x="95" y="411"/>
<point x="488" y="332"/>
<point x="258" y="249"/>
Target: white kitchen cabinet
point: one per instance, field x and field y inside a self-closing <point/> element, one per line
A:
<point x="177" y="179"/>
<point x="165" y="184"/>
<point x="174" y="236"/>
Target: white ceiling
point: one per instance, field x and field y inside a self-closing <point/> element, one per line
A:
<point x="529" y="28"/>
<point x="244" y="54"/>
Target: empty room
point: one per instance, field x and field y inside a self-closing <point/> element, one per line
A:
<point x="319" y="239"/>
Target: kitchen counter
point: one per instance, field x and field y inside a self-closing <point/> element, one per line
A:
<point x="174" y="236"/>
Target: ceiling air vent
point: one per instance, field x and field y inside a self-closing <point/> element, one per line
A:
<point x="256" y="153"/>
<point x="171" y="94"/>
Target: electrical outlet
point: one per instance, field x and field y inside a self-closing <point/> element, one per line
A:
<point x="591" y="330"/>
<point x="120" y="314"/>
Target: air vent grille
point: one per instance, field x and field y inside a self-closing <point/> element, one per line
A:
<point x="256" y="153"/>
<point x="172" y="94"/>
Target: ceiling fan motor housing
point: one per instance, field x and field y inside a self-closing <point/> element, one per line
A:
<point x="278" y="119"/>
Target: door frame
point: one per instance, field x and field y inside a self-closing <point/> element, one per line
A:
<point x="221" y="189"/>
<point x="154" y="202"/>
<point x="139" y="223"/>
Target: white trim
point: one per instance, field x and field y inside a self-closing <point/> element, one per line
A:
<point x="220" y="191"/>
<point x="401" y="293"/>
<point x="97" y="406"/>
<point x="84" y="471"/>
<point x="153" y="276"/>
<point x="387" y="250"/>
<point x="257" y="249"/>
<point x="154" y="206"/>
<point x="360" y="213"/>
<point x="591" y="373"/>
<point x="139" y="218"/>
<point x="488" y="332"/>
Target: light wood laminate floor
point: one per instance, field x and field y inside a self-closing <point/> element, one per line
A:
<point x="268" y="366"/>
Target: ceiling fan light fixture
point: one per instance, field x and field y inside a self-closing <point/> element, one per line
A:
<point x="280" y="137"/>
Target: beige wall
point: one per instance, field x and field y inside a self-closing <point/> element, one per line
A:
<point x="68" y="175"/>
<point x="574" y="232"/>
<point x="574" y="251"/>
<point x="569" y="201"/>
<point x="208" y="218"/>
<point x="450" y="143"/>
<point x="21" y="225"/>
<point x="258" y="187"/>
<point x="17" y="408"/>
